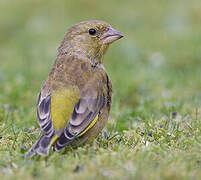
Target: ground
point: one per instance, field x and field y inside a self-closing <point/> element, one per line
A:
<point x="154" y="130"/>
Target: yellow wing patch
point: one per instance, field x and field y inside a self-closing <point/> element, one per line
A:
<point x="63" y="102"/>
<point x="90" y="125"/>
<point x="53" y="140"/>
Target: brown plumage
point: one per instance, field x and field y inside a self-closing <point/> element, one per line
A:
<point x="75" y="100"/>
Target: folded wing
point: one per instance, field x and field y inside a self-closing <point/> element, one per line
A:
<point x="84" y="116"/>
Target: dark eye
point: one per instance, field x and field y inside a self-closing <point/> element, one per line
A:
<point x="92" y="31"/>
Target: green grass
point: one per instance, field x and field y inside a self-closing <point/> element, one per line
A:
<point x="154" y="130"/>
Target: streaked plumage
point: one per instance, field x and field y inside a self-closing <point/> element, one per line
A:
<point x="75" y="100"/>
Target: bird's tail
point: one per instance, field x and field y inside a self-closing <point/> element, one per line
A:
<point x="41" y="147"/>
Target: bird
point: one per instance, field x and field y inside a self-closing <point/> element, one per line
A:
<point x="75" y="100"/>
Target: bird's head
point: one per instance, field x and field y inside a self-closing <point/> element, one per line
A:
<point x="89" y="38"/>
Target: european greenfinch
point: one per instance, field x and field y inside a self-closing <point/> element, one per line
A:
<point x="75" y="100"/>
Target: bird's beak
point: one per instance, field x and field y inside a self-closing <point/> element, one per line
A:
<point x="111" y="35"/>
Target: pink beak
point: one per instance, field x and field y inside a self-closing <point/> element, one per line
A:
<point x="111" y="35"/>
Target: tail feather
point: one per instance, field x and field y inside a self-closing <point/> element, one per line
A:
<point x="41" y="147"/>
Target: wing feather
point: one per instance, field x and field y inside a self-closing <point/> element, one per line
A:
<point x="84" y="113"/>
<point x="43" y="114"/>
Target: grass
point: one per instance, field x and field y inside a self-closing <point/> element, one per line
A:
<point x="154" y="130"/>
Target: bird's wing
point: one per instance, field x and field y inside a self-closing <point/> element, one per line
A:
<point x="43" y="114"/>
<point x="84" y="116"/>
<point x="44" y="118"/>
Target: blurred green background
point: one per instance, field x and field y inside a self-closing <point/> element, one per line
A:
<point x="155" y="68"/>
<point x="160" y="53"/>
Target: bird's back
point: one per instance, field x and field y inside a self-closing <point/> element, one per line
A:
<point x="71" y="78"/>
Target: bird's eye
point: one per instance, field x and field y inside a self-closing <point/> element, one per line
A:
<point x="92" y="31"/>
